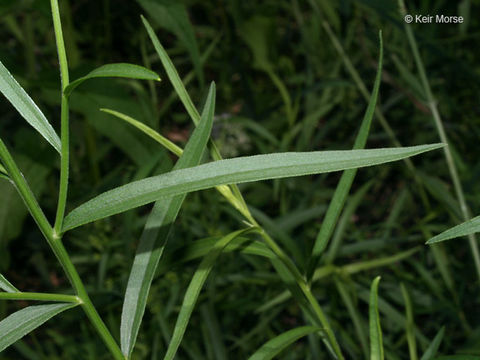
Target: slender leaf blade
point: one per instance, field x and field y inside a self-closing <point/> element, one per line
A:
<point x="172" y="73"/>
<point x="173" y="16"/>
<point x="467" y="228"/>
<point x="194" y="288"/>
<point x="121" y="70"/>
<point x="5" y="285"/>
<point x="231" y="171"/>
<point x="434" y="345"/>
<point x="26" y="107"/>
<point x="376" y="342"/>
<point x="409" y="324"/>
<point x="279" y="343"/>
<point x="343" y="188"/>
<point x="155" y="235"/>
<point x="169" y="145"/>
<point x="20" y="323"/>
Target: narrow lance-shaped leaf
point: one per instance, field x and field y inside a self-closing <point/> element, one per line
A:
<point x="155" y="235"/>
<point x="172" y="73"/>
<point x="26" y="107"/>
<point x="279" y="343"/>
<point x="345" y="183"/>
<point x="173" y="16"/>
<point x="231" y="171"/>
<point x="20" y="323"/>
<point x="376" y="342"/>
<point x="409" y="325"/>
<point x="232" y="194"/>
<point x="467" y="228"/>
<point x="5" y="285"/>
<point x="194" y="288"/>
<point x="434" y="345"/>
<point x="121" y="70"/>
<point x="146" y="130"/>
<point x="2" y="169"/>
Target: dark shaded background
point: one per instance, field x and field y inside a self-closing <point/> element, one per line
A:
<point x="245" y="44"/>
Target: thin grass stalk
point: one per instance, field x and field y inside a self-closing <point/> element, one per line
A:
<point x="58" y="249"/>
<point x="40" y="297"/>
<point x="54" y="239"/>
<point x="432" y="105"/>
<point x="378" y="113"/>
<point x="306" y="290"/>
<point x="64" y="132"/>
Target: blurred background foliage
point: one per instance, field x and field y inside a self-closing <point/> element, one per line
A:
<point x="282" y="85"/>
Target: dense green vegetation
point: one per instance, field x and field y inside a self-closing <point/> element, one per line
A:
<point x="296" y="255"/>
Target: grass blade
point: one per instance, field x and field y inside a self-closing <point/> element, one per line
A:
<point x="464" y="229"/>
<point x="276" y="345"/>
<point x="5" y="285"/>
<point x="172" y="74"/>
<point x="437" y="119"/>
<point x="121" y="70"/>
<point x="345" y="183"/>
<point x="410" y="325"/>
<point x="20" y="323"/>
<point x="26" y="107"/>
<point x="376" y="343"/>
<point x="3" y="170"/>
<point x="155" y="235"/>
<point x="169" y="145"/>
<point x="434" y="345"/>
<point x="173" y="15"/>
<point x="237" y="170"/>
<point x="194" y="288"/>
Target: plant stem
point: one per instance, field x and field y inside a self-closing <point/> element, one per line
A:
<point x="24" y="190"/>
<point x="305" y="288"/>
<point x="40" y="297"/>
<point x="64" y="163"/>
<point x="55" y="243"/>
<point x="53" y="238"/>
<point x="432" y="104"/>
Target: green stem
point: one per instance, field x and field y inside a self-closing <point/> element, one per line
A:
<point x="24" y="190"/>
<point x="432" y="104"/>
<point x="52" y="235"/>
<point x="305" y="288"/>
<point x="40" y="297"/>
<point x="64" y="163"/>
<point x="58" y="249"/>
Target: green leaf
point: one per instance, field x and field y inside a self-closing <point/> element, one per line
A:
<point x="376" y="343"/>
<point x="467" y="228"/>
<point x="409" y="324"/>
<point x="194" y="288"/>
<point x="155" y="235"/>
<point x="121" y="70"/>
<point x="5" y="285"/>
<point x="2" y="169"/>
<point x="173" y="16"/>
<point x="434" y="345"/>
<point x="345" y="183"/>
<point x="276" y="345"/>
<point x="26" y="107"/>
<point x="20" y="323"/>
<point x="230" y="171"/>
<point x="147" y="130"/>
<point x="172" y="74"/>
